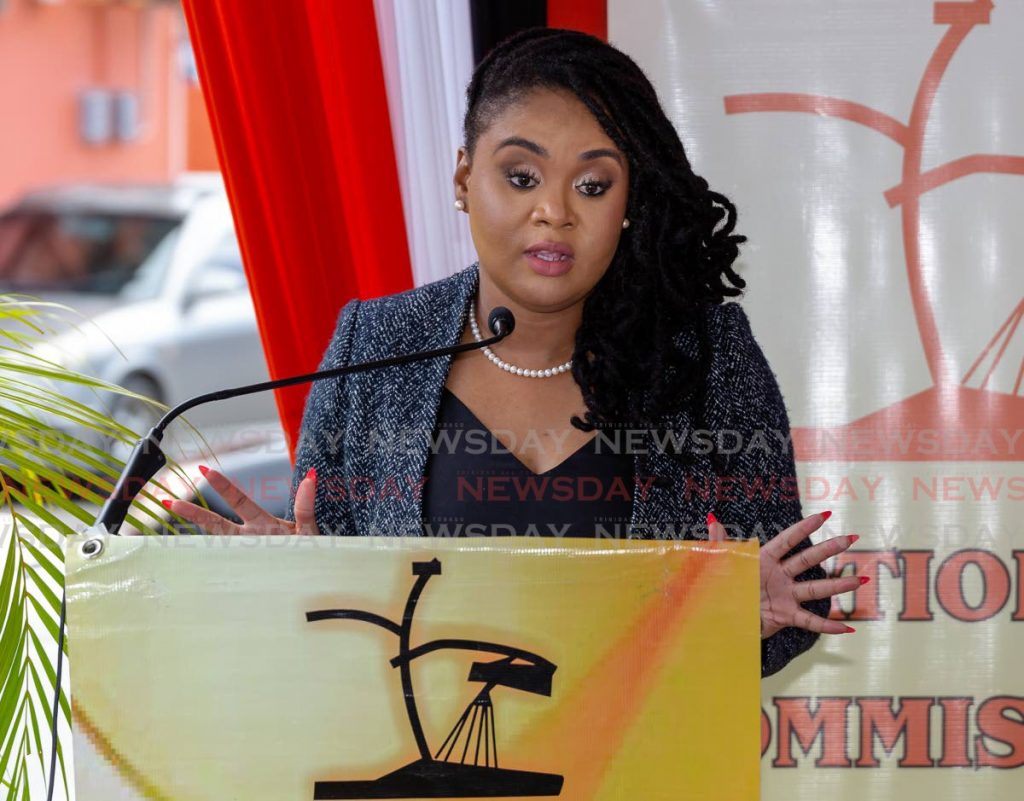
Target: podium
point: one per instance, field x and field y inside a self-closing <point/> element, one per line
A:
<point x="295" y="668"/>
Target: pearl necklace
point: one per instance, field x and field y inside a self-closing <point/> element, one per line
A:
<point x="511" y="368"/>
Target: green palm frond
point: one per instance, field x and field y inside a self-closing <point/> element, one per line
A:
<point x="49" y="481"/>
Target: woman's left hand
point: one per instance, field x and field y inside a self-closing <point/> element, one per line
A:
<point x="781" y="593"/>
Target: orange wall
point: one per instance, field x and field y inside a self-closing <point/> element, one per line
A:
<point x="202" y="152"/>
<point x="49" y="53"/>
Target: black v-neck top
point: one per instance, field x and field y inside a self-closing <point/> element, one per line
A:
<point x="477" y="487"/>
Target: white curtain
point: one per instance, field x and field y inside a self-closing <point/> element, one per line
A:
<point x="427" y="50"/>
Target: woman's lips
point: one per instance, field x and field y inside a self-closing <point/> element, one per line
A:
<point x="560" y="266"/>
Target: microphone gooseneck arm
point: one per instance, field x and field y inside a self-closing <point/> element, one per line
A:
<point x="147" y="457"/>
<point x="249" y="389"/>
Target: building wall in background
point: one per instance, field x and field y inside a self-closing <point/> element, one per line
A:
<point x="51" y="52"/>
<point x="202" y="153"/>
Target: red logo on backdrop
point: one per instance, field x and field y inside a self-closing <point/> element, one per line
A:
<point x="951" y="403"/>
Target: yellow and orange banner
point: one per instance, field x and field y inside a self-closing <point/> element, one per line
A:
<point x="298" y="668"/>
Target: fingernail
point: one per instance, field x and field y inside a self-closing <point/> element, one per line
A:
<point x="166" y="503"/>
<point x="849" y="630"/>
<point x="311" y="474"/>
<point x="204" y="470"/>
<point x="853" y="538"/>
<point x="864" y="579"/>
<point x="712" y="518"/>
<point x="826" y="515"/>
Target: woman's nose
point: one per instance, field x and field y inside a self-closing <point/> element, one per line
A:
<point x="554" y="208"/>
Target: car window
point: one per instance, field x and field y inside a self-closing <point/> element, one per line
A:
<point x="227" y="254"/>
<point x="225" y="257"/>
<point x="149" y="279"/>
<point x="219" y="273"/>
<point x="75" y="251"/>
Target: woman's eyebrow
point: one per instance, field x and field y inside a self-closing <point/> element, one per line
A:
<point x="533" y="147"/>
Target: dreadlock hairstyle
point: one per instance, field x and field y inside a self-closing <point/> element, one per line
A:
<point x="673" y="258"/>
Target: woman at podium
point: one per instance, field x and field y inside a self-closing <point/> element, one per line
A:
<point x="632" y="400"/>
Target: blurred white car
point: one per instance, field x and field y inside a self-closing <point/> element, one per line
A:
<point x="185" y="325"/>
<point x="79" y="244"/>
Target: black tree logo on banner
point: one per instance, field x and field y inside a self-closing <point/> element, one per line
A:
<point x="471" y="771"/>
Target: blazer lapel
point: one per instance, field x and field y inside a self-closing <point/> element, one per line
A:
<point x="419" y="413"/>
<point x="671" y="499"/>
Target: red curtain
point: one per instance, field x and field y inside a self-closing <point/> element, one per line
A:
<point x="589" y="16"/>
<point x="296" y="96"/>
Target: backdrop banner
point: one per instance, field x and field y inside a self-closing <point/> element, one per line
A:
<point x="294" y="668"/>
<point x="875" y="153"/>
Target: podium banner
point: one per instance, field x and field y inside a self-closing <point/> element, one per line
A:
<point x="293" y="668"/>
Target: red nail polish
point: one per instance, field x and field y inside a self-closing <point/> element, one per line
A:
<point x="204" y="470"/>
<point x="311" y="473"/>
<point x="712" y="518"/>
<point x="849" y="630"/>
<point x="166" y="503"/>
<point x="826" y="515"/>
<point x="864" y="579"/>
<point x="853" y="538"/>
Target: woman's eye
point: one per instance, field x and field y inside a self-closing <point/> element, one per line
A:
<point x="515" y="176"/>
<point x="595" y="188"/>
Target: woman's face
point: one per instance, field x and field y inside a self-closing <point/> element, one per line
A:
<point x="546" y="194"/>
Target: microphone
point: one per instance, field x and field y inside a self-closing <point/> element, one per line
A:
<point x="147" y="458"/>
<point x="501" y="321"/>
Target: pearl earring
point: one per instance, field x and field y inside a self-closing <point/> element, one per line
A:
<point x="460" y="205"/>
<point x="625" y="223"/>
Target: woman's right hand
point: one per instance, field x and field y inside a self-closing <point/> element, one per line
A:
<point x="255" y="520"/>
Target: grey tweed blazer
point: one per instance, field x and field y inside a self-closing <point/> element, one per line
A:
<point x="368" y="434"/>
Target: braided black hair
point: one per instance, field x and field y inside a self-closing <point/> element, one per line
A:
<point x="674" y="258"/>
